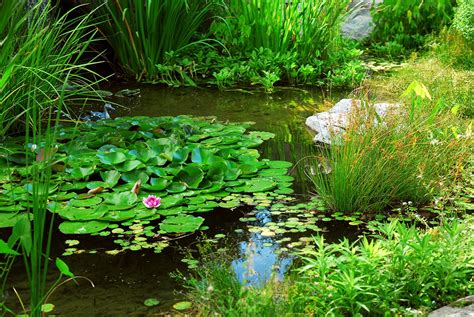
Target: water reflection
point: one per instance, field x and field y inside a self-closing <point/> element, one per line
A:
<point x="259" y="260"/>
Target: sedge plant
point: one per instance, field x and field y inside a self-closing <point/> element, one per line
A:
<point x="408" y="155"/>
<point x="42" y="72"/>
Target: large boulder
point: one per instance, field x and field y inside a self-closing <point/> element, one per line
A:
<point x="358" y="24"/>
<point x="333" y="123"/>
<point x="461" y="308"/>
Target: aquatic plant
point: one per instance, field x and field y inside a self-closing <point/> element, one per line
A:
<point x="396" y="270"/>
<point x="191" y="164"/>
<point x="41" y="62"/>
<point x="151" y="201"/>
<point x="142" y="33"/>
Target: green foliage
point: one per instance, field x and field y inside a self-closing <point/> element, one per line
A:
<point x="408" y="157"/>
<point x="142" y="33"/>
<point x="405" y="24"/>
<point x="309" y="28"/>
<point x="396" y="270"/>
<point x="40" y="62"/>
<point x="464" y="19"/>
<point x="401" y="268"/>
<point x="104" y="170"/>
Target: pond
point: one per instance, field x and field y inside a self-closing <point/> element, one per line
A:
<point x="122" y="282"/>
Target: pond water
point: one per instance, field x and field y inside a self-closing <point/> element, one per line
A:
<point x="124" y="281"/>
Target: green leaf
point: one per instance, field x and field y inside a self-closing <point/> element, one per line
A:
<point x="150" y="302"/>
<point x="5" y="249"/>
<point x="181" y="224"/>
<point x="111" y="178"/>
<point x="82" y="227"/>
<point x="112" y="158"/>
<point x="63" y="268"/>
<point x="201" y="156"/>
<point x="120" y="199"/>
<point x="190" y="175"/>
<point x="22" y="232"/>
<point x="182" y="305"/>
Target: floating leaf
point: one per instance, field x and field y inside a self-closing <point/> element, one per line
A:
<point x="150" y="302"/>
<point x="181" y="223"/>
<point x="182" y="305"/>
<point x="82" y="227"/>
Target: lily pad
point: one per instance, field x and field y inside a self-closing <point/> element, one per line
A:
<point x="82" y="227"/>
<point x="181" y="224"/>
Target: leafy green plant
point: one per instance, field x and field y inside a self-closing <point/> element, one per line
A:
<point x="401" y="267"/>
<point x="409" y="22"/>
<point x="104" y="173"/>
<point x="310" y="28"/>
<point x="142" y="33"/>
<point x="397" y="269"/>
<point x="464" y="19"/>
<point x="40" y="62"/>
<point x="405" y="156"/>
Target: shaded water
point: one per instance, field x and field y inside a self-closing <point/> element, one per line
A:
<point x="124" y="281"/>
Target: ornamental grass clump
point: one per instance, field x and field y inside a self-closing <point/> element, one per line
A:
<point x="408" y="155"/>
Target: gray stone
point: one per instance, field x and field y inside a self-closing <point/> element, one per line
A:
<point x="333" y="123"/>
<point x="460" y="308"/>
<point x="358" y="24"/>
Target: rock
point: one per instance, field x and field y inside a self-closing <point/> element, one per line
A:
<point x="461" y="308"/>
<point x="358" y="24"/>
<point x="332" y="123"/>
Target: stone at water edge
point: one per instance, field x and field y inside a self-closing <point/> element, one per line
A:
<point x="333" y="122"/>
<point x="453" y="310"/>
<point x="358" y="23"/>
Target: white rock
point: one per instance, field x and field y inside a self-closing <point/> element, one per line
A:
<point x="333" y="123"/>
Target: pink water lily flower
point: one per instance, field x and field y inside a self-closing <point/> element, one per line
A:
<point x="152" y="201"/>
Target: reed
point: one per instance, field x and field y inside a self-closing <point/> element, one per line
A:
<point x="142" y="32"/>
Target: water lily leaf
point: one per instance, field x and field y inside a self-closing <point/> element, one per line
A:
<point x="171" y="201"/>
<point x="201" y="156"/>
<point x="150" y="302"/>
<point x="143" y="153"/>
<point x="216" y="171"/>
<point x="134" y="176"/>
<point x="156" y="184"/>
<point x="176" y="187"/>
<point x="130" y="166"/>
<point x="82" y="227"/>
<point x="181" y="224"/>
<point x="81" y="172"/>
<point x="112" y="158"/>
<point x="110" y="178"/>
<point x="85" y="202"/>
<point x="118" y="215"/>
<point x="180" y="156"/>
<point x="121" y="199"/>
<point x="158" y="171"/>
<point x="262" y="135"/>
<point x="82" y="214"/>
<point x="191" y="176"/>
<point x="182" y="305"/>
<point x="273" y="172"/>
<point x="258" y="185"/>
<point x="279" y="164"/>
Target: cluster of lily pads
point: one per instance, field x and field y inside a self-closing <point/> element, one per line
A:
<point x="103" y="171"/>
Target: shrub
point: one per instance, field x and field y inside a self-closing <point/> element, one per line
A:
<point x="464" y="19"/>
<point x="407" y="22"/>
<point x="405" y="156"/>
